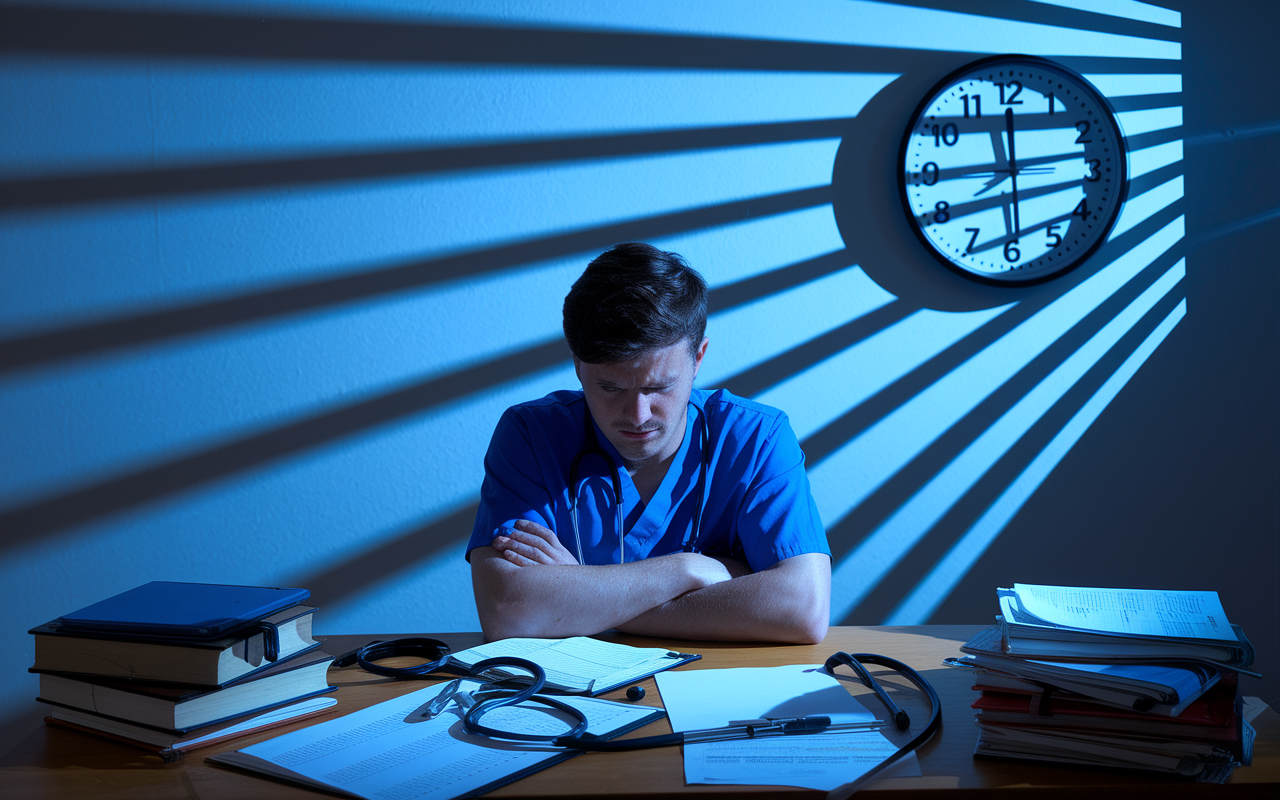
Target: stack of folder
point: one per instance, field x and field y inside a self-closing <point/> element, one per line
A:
<point x="170" y="663"/>
<point x="1124" y="678"/>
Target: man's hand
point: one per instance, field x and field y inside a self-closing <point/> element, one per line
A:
<point x="530" y="543"/>
<point x="527" y="584"/>
<point x="788" y="602"/>
<point x="734" y="568"/>
<point x="523" y="590"/>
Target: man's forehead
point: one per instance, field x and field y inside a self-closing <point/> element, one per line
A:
<point x="650" y="367"/>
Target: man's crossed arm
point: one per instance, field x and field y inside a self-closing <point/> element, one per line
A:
<point x="528" y="584"/>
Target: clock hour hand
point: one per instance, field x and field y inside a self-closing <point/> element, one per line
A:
<point x="998" y="171"/>
<point x="1003" y="168"/>
<point x="995" y="179"/>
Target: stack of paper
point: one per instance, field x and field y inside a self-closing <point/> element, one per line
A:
<point x="1112" y="677"/>
<point x="1110" y="625"/>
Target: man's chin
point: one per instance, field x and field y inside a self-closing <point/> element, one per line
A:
<point x="638" y="450"/>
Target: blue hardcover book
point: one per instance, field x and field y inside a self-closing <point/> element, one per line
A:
<point x="173" y="613"/>
<point x="187" y="610"/>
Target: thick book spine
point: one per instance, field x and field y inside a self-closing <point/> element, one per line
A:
<point x="173" y="660"/>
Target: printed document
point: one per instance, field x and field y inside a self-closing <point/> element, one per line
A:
<point x="377" y="753"/>
<point x="1135" y="612"/>
<point x="710" y="698"/>
<point x="579" y="662"/>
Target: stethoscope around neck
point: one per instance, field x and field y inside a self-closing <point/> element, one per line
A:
<point x="591" y="447"/>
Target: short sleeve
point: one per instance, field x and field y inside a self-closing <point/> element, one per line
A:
<point x="512" y="489"/>
<point x="778" y="517"/>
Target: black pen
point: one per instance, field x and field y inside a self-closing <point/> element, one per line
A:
<point x="737" y="729"/>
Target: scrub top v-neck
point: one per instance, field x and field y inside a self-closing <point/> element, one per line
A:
<point x="645" y="523"/>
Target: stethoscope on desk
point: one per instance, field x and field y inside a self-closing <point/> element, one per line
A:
<point x="592" y="447"/>
<point x="508" y="691"/>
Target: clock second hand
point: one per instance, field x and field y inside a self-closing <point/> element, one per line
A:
<point x="1013" y="169"/>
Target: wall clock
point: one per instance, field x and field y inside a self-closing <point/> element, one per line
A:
<point x="1013" y="170"/>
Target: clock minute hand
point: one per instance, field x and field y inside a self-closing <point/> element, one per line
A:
<point x="1013" y="168"/>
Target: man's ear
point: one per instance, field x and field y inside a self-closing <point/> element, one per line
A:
<point x="698" y="354"/>
<point x="577" y="368"/>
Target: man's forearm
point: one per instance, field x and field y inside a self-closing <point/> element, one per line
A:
<point x="788" y="603"/>
<point x="553" y="601"/>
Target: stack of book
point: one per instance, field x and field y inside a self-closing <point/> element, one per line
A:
<point x="167" y="664"/>
<point x="1127" y="678"/>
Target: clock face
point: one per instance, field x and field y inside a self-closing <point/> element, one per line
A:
<point x="1013" y="170"/>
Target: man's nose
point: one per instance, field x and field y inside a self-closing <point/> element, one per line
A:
<point x="639" y="409"/>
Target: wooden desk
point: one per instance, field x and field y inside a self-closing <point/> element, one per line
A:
<point x="58" y="763"/>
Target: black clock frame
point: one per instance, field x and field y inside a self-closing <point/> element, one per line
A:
<point x="1122" y="189"/>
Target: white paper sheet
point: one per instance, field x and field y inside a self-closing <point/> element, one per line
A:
<point x="575" y="663"/>
<point x="375" y="753"/>
<point x="1141" y="612"/>
<point x="820" y="762"/>
<point x="710" y="698"/>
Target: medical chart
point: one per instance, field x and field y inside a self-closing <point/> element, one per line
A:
<point x="376" y="753"/>
<point x="1134" y="612"/>
<point x="709" y="698"/>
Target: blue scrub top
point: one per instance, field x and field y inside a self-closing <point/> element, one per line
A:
<point x="758" y="506"/>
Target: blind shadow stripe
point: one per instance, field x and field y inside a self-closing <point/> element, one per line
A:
<point x="766" y="284"/>
<point x="357" y="40"/>
<point x="161" y="480"/>
<point x="385" y="560"/>
<point x="899" y="489"/>
<point x="1044" y="14"/>
<point x="38" y="349"/>
<point x="173" y="476"/>
<point x="840" y="431"/>
<point x="940" y="540"/>
<point x="767" y="374"/>
<point x="63" y="191"/>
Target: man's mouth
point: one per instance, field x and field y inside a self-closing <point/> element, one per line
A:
<point x="638" y="435"/>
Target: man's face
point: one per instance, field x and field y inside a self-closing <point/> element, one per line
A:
<point x="641" y="403"/>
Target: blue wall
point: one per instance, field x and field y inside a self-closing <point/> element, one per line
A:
<point x="273" y="269"/>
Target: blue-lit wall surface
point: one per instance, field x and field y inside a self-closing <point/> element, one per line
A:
<point x="273" y="269"/>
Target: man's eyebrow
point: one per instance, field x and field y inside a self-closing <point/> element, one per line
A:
<point x="661" y="383"/>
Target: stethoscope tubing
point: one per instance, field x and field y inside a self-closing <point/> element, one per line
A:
<point x="931" y="727"/>
<point x="511" y="691"/>
<point x="499" y="699"/>
<point x="591" y="446"/>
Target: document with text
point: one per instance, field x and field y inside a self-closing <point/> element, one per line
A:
<point x="1130" y="612"/>
<point x="378" y="753"/>
<point x="581" y="664"/>
<point x="710" y="698"/>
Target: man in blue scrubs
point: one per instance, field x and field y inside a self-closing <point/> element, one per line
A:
<point x="639" y="503"/>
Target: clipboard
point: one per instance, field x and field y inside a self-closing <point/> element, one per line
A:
<point x="379" y="749"/>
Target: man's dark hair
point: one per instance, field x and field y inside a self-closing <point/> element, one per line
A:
<point x="633" y="298"/>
